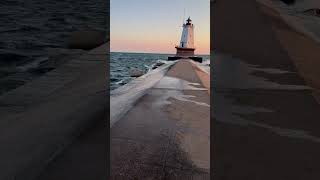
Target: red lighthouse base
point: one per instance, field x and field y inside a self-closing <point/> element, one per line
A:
<point x="185" y="52"/>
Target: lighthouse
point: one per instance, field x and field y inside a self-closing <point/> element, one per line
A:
<point x="186" y="48"/>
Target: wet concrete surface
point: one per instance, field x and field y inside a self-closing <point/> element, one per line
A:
<point x="235" y="73"/>
<point x="124" y="97"/>
<point x="266" y="119"/>
<point x="40" y="119"/>
<point x="264" y="130"/>
<point x="166" y="135"/>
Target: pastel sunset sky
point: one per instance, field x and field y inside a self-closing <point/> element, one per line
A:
<point x="155" y="26"/>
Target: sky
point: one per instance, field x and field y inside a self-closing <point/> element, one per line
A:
<point x="155" y="26"/>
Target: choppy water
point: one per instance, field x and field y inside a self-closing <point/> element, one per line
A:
<point x="29" y="27"/>
<point x="121" y="64"/>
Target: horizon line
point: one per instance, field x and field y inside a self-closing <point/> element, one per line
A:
<point x="153" y="53"/>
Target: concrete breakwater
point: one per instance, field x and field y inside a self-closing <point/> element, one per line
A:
<point x="165" y="131"/>
<point x="40" y="118"/>
<point x="266" y="118"/>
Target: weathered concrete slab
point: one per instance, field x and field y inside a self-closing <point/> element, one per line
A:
<point x="265" y="115"/>
<point x="235" y="73"/>
<point x="266" y="135"/>
<point x="86" y="158"/>
<point x="167" y="133"/>
<point x="40" y="118"/>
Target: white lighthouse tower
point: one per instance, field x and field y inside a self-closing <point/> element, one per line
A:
<point x="185" y="50"/>
<point x="186" y="47"/>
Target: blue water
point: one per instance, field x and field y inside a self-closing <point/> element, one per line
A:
<point x="121" y="63"/>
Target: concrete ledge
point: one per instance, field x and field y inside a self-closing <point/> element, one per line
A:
<point x="40" y="118"/>
<point x="124" y="97"/>
<point x="166" y="133"/>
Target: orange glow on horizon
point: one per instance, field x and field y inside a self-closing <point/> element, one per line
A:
<point x="159" y="45"/>
<point x="151" y="48"/>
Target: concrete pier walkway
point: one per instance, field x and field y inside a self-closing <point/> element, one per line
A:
<point x="43" y="117"/>
<point x="266" y="117"/>
<point x="166" y="134"/>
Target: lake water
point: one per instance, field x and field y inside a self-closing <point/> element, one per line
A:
<point x="121" y="63"/>
<point x="28" y="29"/>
